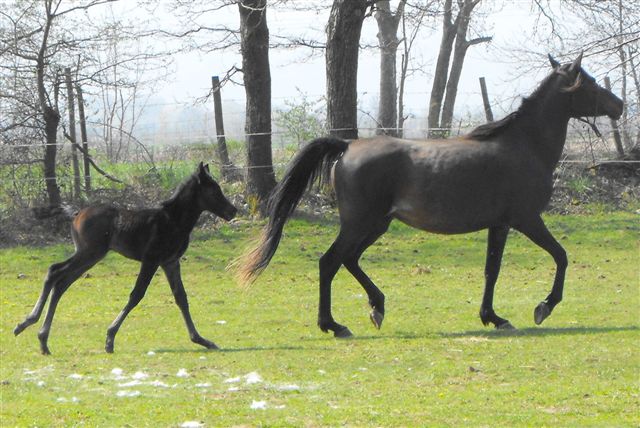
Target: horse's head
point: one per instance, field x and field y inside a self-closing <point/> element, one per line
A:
<point x="210" y="196"/>
<point x="587" y="98"/>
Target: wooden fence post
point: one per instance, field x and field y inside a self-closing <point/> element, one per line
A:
<point x="83" y="137"/>
<point x="226" y="169"/>
<point x="614" y="124"/>
<point x="485" y="100"/>
<point x="72" y="134"/>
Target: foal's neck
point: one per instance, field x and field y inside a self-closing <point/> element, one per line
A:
<point x="183" y="210"/>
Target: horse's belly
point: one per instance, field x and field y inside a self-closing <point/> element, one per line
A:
<point x="447" y="220"/>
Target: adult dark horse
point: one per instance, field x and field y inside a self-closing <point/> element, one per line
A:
<point x="154" y="237"/>
<point x="497" y="177"/>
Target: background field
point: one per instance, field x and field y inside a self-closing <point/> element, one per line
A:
<point x="433" y="363"/>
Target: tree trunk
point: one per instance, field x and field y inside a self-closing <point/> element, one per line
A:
<point x="72" y="134"/>
<point x="343" y="44"/>
<point x="387" y="36"/>
<point x="441" y="71"/>
<point x="50" y="116"/>
<point x="85" y="141"/>
<point x="51" y="121"/>
<point x="254" y="45"/>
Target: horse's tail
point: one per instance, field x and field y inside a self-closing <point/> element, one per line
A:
<point x="314" y="160"/>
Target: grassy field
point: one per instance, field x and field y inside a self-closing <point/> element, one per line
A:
<point x="433" y="363"/>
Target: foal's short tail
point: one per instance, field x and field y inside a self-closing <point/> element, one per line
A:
<point x="314" y="160"/>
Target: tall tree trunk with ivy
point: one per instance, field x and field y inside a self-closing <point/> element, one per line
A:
<point x="343" y="45"/>
<point x="254" y="45"/>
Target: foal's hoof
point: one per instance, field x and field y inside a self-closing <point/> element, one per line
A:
<point x="19" y="329"/>
<point x="376" y="318"/>
<point x="505" y="326"/>
<point x="541" y="313"/>
<point x="343" y="333"/>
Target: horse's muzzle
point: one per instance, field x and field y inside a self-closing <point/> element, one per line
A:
<point x="229" y="212"/>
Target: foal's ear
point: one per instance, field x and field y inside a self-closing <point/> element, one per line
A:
<point x="206" y="167"/>
<point x="575" y="65"/>
<point x="555" y="64"/>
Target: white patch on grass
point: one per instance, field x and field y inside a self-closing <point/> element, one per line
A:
<point x="117" y="373"/>
<point x="41" y="383"/>
<point x="203" y="385"/>
<point x="182" y="373"/>
<point x="139" y="375"/>
<point x="322" y="372"/>
<point x="191" y="424"/>
<point x="221" y="322"/>
<point x="291" y="387"/>
<point x="127" y="393"/>
<point x="76" y="376"/>
<point x="232" y="380"/>
<point x="252" y="378"/>
<point x="130" y="384"/>
<point x="258" y="405"/>
<point x="158" y="384"/>
<point x="151" y="353"/>
<point x="233" y="389"/>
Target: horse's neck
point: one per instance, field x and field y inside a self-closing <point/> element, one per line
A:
<point x="546" y="131"/>
<point x="183" y="213"/>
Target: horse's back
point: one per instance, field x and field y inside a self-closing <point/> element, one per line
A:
<point x="446" y="186"/>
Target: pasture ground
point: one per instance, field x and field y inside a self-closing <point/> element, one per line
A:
<point x="433" y="363"/>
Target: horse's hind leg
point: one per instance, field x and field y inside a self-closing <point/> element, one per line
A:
<point x="376" y="297"/>
<point x="495" y="247"/>
<point x="73" y="268"/>
<point x="540" y="235"/>
<point x="346" y="243"/>
<point x="147" y="270"/>
<point x="52" y="277"/>
<point x="172" y="271"/>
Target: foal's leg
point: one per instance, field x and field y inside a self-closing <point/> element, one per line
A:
<point x="59" y="280"/>
<point x="495" y="247"/>
<point x="147" y="270"/>
<point x="540" y="235"/>
<point x="55" y="271"/>
<point x="376" y="297"/>
<point x="172" y="270"/>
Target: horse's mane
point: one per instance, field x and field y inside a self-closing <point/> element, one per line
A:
<point x="491" y="129"/>
<point x="179" y="193"/>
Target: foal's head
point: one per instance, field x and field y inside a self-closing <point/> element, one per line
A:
<point x="209" y="196"/>
<point x="585" y="97"/>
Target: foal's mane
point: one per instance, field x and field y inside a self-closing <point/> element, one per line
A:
<point x="181" y="191"/>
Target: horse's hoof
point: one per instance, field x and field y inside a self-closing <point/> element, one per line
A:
<point x="376" y="318"/>
<point x="19" y="328"/>
<point x="343" y="333"/>
<point x="541" y="313"/>
<point x="211" y="346"/>
<point x="505" y="326"/>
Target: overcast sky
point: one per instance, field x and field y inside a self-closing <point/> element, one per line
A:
<point x="293" y="71"/>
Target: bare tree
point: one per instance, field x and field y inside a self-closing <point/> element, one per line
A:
<point x="343" y="45"/>
<point x="254" y="38"/>
<point x="388" y="23"/>
<point x="447" y="73"/>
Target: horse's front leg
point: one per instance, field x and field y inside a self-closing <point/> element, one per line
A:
<point x="540" y="235"/>
<point x="147" y="270"/>
<point x="495" y="248"/>
<point x="172" y="271"/>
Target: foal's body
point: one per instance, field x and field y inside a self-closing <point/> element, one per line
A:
<point x="497" y="177"/>
<point x="155" y="237"/>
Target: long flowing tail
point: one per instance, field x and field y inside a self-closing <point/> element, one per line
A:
<point x="310" y="163"/>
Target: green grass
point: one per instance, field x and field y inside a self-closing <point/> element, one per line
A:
<point x="433" y="363"/>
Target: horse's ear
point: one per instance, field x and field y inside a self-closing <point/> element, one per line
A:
<point x="575" y="65"/>
<point x="555" y="64"/>
<point x="206" y="167"/>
